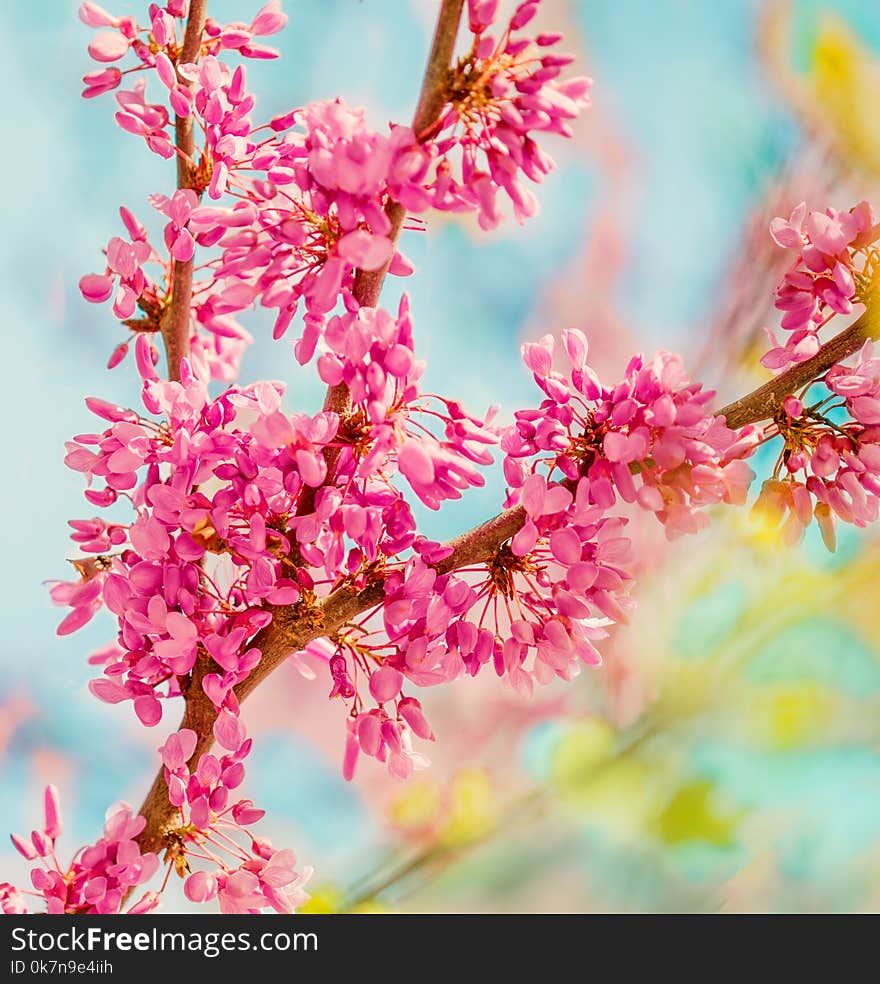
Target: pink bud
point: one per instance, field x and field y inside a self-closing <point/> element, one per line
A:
<point x="411" y="712"/>
<point x="523" y="14"/>
<point x="41" y="842"/>
<point x="385" y="683"/>
<point x="148" y="710"/>
<point x="269" y="19"/>
<point x="52" y="812"/>
<point x="229" y="730"/>
<point x="144" y="353"/>
<point x="165" y="70"/>
<point x="25" y="848"/>
<point x="99" y="82"/>
<point x="201" y="886"/>
<point x="415" y="463"/>
<point x="352" y="749"/>
<point x="94" y="16"/>
<point x="108" y="46"/>
<point x="178" y="748"/>
<point x="245" y="813"/>
<point x="117" y="355"/>
<point x="96" y="287"/>
<point x="147" y="902"/>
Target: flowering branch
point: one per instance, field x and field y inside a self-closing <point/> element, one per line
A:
<point x="255" y="535"/>
<point x="176" y="324"/>
<point x="286" y="633"/>
<point x="766" y="401"/>
<point x="368" y="283"/>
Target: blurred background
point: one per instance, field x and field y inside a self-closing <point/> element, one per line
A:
<point x="725" y="756"/>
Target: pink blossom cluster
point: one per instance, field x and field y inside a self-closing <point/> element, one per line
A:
<point x="226" y="480"/>
<point x="245" y="877"/>
<point x="149" y="572"/>
<point x="379" y="732"/>
<point x="100" y="875"/>
<point x="533" y="611"/>
<point x="829" y="469"/>
<point x="831" y="269"/>
<point x="499" y="94"/>
<point x="311" y="189"/>
<point x="158" y="43"/>
<point x="124" y="272"/>
<point x="649" y="440"/>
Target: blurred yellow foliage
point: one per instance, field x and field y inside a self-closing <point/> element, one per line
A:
<point x="691" y="815"/>
<point x="473" y="810"/>
<point x="845" y="82"/>
<point x="416" y="806"/>
<point x="327" y="900"/>
<point x="613" y="790"/>
<point x="324" y="900"/>
<point x="792" y="714"/>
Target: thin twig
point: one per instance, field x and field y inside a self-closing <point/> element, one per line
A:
<point x="176" y="323"/>
<point x="287" y="633"/>
<point x="764" y="402"/>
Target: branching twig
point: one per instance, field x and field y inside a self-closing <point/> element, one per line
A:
<point x="176" y="323"/>
<point x="762" y="403"/>
<point x="287" y="633"/>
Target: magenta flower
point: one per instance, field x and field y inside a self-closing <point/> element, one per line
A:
<point x="823" y="281"/>
<point x="100" y="875"/>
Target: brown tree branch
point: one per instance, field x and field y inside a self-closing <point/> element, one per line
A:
<point x="764" y="402"/>
<point x="176" y="323"/>
<point x="368" y="283"/>
<point x="286" y="633"/>
<point x="199" y="712"/>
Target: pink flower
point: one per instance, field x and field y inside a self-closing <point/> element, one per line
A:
<point x="100" y="875"/>
<point x="832" y="466"/>
<point x="822" y="281"/>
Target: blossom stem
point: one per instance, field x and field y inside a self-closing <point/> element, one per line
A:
<point x="176" y="324"/>
<point x="368" y="283"/>
<point x="286" y="633"/>
<point x="765" y="401"/>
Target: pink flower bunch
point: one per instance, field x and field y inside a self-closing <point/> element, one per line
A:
<point x="124" y="271"/>
<point x="829" y="468"/>
<point x="534" y="610"/>
<point x="267" y="879"/>
<point x="248" y="876"/>
<point x="222" y="105"/>
<point x="386" y="731"/>
<point x="373" y="354"/>
<point x="178" y="209"/>
<point x="237" y="470"/>
<point x="144" y="119"/>
<point x="240" y="36"/>
<point x="316" y="214"/>
<point x="223" y="497"/>
<point x="100" y="875"/>
<point x="159" y="41"/>
<point x="504" y="90"/>
<point x="388" y="737"/>
<point x="649" y="440"/>
<point x="312" y="196"/>
<point x="827" y="278"/>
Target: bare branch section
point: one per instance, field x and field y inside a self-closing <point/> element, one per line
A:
<point x="287" y="633"/>
<point x="175" y="324"/>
